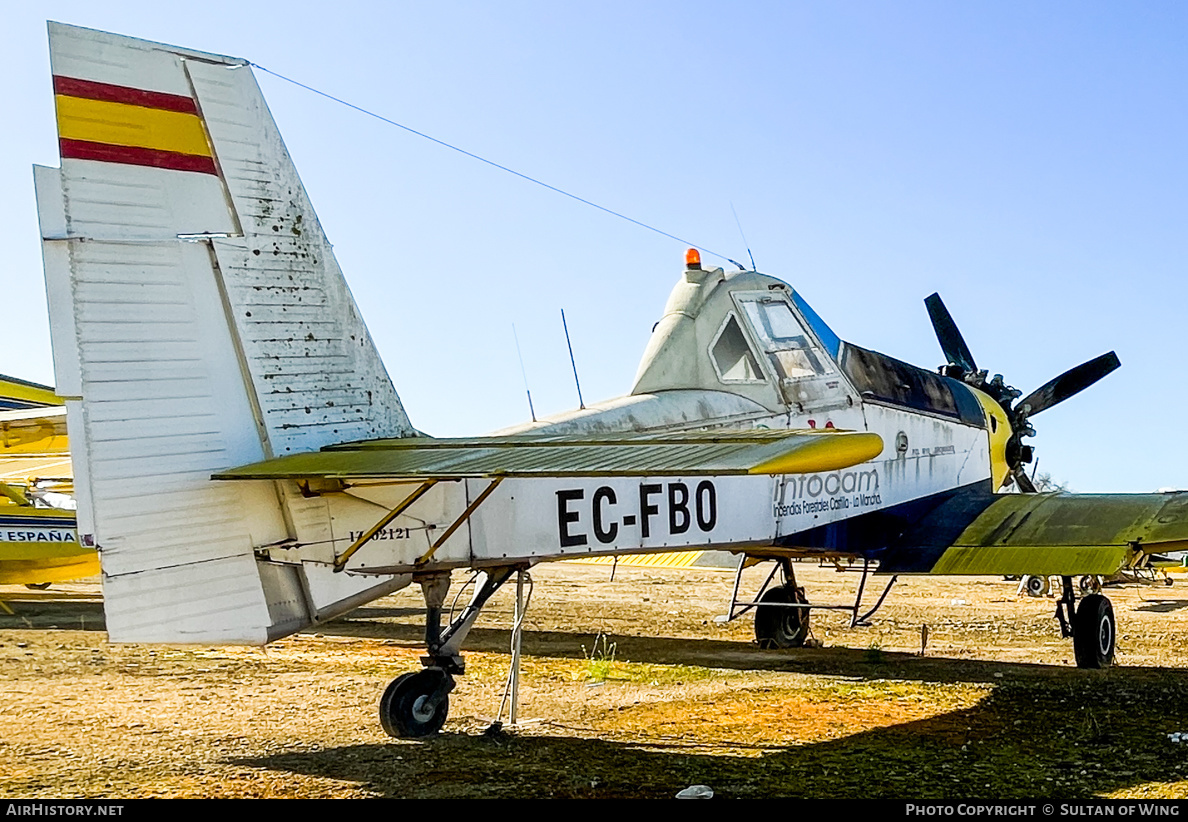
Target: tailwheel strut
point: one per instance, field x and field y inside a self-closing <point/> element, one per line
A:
<point x="416" y="704"/>
<point x="1091" y="625"/>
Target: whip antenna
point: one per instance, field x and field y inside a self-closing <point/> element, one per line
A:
<point x="747" y="245"/>
<point x="523" y="373"/>
<point x="581" y="402"/>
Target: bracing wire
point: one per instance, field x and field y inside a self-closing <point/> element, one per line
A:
<point x="516" y="626"/>
<point x="494" y="164"/>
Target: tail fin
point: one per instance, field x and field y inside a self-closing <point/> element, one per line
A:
<point x="199" y="322"/>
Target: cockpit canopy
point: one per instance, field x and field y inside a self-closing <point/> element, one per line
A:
<point x="758" y="338"/>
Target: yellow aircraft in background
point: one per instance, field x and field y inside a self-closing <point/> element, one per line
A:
<point x="38" y="528"/>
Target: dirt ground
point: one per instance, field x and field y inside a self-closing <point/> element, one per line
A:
<point x="629" y="688"/>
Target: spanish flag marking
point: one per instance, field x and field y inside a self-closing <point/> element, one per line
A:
<point x="119" y="124"/>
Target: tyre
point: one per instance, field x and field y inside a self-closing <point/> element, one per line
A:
<point x="1036" y="585"/>
<point x="778" y="627"/>
<point x="1094" y="632"/>
<point x="405" y="709"/>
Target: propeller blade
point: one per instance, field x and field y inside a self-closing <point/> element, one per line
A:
<point x="950" y="339"/>
<point x="1069" y="383"/>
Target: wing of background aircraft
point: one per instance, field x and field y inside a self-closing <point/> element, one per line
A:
<point x="38" y="530"/>
<point x="34" y="431"/>
<point x="15" y="394"/>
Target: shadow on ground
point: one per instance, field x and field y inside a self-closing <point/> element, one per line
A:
<point x="50" y="610"/>
<point x="1025" y="740"/>
<point x="737" y="655"/>
<point x="41" y="611"/>
<point x="1163" y="606"/>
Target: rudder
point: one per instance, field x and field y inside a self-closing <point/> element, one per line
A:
<point x="199" y="322"/>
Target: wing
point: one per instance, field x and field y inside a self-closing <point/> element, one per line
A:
<point x="35" y="457"/>
<point x="1058" y="534"/>
<point x="33" y="431"/>
<point x="686" y="454"/>
<point x="16" y="393"/>
<point x="38" y="528"/>
<point x="34" y="454"/>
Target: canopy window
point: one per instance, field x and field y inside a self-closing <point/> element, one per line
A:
<point x="732" y="355"/>
<point x="784" y="340"/>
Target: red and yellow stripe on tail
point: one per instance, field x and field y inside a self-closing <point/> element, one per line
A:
<point x="120" y="124"/>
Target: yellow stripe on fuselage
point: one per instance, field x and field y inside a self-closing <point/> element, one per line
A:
<point x="120" y="124"/>
<point x="670" y="559"/>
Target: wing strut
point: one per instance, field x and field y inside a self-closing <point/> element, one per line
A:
<point x="470" y="509"/>
<point x="341" y="561"/>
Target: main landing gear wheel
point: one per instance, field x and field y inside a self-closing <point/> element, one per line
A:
<point x="1094" y="632"/>
<point x="415" y="704"/>
<point x="1036" y="585"/>
<point x="781" y="627"/>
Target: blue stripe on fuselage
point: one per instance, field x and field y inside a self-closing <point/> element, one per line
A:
<point x="905" y="538"/>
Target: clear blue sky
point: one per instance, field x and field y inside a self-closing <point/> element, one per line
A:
<point x="1027" y="160"/>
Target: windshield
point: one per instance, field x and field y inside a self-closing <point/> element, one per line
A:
<point x="784" y="339"/>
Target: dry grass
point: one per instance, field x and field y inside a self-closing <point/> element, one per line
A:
<point x="672" y="699"/>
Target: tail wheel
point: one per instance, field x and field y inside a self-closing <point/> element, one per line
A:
<point x="781" y="627"/>
<point x="1094" y="632"/>
<point x="409" y="709"/>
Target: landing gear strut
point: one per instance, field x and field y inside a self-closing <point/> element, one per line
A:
<point x="782" y="611"/>
<point x="416" y="704"/>
<point x="1091" y="626"/>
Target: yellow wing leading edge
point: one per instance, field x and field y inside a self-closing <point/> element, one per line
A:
<point x="724" y="453"/>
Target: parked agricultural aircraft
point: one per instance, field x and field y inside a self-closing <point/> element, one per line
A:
<point x="209" y="350"/>
<point x="38" y="536"/>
